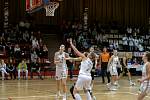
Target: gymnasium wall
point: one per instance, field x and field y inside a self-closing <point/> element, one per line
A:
<point x="1" y="14"/>
<point x="126" y="12"/>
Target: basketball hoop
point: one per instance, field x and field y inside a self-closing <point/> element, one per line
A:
<point x="51" y="7"/>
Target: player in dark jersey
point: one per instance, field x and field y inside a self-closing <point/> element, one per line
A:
<point x="94" y="66"/>
<point x="125" y="68"/>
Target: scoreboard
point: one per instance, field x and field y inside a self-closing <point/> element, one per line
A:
<point x="31" y="4"/>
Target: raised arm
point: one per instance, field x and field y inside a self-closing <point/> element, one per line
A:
<point x="73" y="59"/>
<point x="76" y="50"/>
<point x="67" y="57"/>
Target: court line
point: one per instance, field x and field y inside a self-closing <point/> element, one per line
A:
<point x="46" y="96"/>
<point x="32" y="84"/>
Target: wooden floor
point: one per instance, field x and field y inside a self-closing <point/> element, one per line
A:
<point x="45" y="90"/>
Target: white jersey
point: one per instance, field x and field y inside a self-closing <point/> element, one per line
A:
<point x="115" y="61"/>
<point x="61" y="57"/>
<point x="144" y="74"/>
<point x="86" y="67"/>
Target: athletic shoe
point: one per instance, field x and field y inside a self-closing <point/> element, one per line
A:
<point x="108" y="85"/>
<point x="64" y="97"/>
<point x="58" y="95"/>
<point x="94" y="98"/>
<point x="116" y="84"/>
<point x="132" y="83"/>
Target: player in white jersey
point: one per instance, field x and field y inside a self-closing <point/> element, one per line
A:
<point x="145" y="80"/>
<point x="112" y="68"/>
<point x="61" y="71"/>
<point x="84" y="77"/>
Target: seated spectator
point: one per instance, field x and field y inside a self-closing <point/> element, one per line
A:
<point x="125" y="42"/>
<point x="116" y="45"/>
<point x="98" y="38"/>
<point x="22" y="67"/>
<point x="129" y="30"/>
<point x="45" y="52"/>
<point x="136" y="44"/>
<point x="140" y="47"/>
<point x="35" y="43"/>
<point x="31" y="37"/>
<point x="36" y="67"/>
<point x="40" y="42"/>
<point x="12" y="36"/>
<point x="25" y="36"/>
<point x="2" y="43"/>
<point x="10" y="50"/>
<point x="94" y="33"/>
<point x="131" y="43"/>
<point x="17" y="49"/>
<point x="111" y="47"/>
<point x="17" y="53"/>
<point x="34" y="55"/>
<point x="3" y="69"/>
<point x="11" y="69"/>
<point x="39" y="51"/>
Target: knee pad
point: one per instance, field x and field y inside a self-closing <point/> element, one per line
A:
<point x="71" y="91"/>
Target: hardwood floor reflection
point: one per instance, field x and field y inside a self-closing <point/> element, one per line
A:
<point x="45" y="90"/>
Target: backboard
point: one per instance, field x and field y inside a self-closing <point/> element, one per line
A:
<point x="35" y="5"/>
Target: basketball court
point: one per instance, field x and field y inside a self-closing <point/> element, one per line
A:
<point x="45" y="90"/>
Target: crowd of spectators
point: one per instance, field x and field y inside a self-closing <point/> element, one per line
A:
<point x="18" y="44"/>
<point x="99" y="35"/>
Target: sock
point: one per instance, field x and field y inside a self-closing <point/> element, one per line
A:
<point x="58" y="93"/>
<point x="89" y="95"/>
<point x="65" y="95"/>
<point x="77" y="97"/>
<point x="130" y="80"/>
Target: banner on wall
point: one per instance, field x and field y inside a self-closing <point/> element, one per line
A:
<point x="130" y="54"/>
<point x="122" y="54"/>
<point x="6" y="15"/>
<point x="138" y="54"/>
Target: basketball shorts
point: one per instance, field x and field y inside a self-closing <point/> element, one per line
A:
<point x="113" y="70"/>
<point x="61" y="73"/>
<point x="83" y="82"/>
<point x="144" y="88"/>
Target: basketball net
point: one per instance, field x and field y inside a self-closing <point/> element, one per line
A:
<point x="50" y="8"/>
